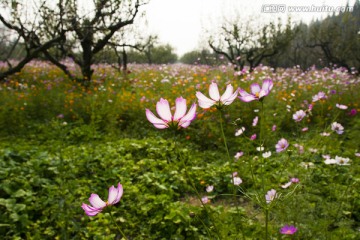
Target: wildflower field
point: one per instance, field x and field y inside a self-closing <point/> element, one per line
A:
<point x="180" y="152"/>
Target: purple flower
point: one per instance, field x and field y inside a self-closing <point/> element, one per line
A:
<point x="352" y="112"/>
<point x="270" y="195"/>
<point x="288" y="230"/>
<point x="294" y="180"/>
<point x="256" y="92"/>
<point x="282" y="145"/>
<point x="180" y="118"/>
<point x="97" y="205"/>
<point x="299" y="115"/>
<point x="226" y="99"/>
<point x="273" y="128"/>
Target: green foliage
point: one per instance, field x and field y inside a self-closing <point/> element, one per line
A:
<point x="162" y="54"/>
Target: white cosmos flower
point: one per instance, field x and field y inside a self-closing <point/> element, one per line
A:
<point x="266" y="154"/>
<point x="215" y="99"/>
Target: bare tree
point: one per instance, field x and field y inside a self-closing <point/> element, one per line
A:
<point x="25" y="31"/>
<point x="90" y="33"/>
<point x="61" y="29"/>
<point x="242" y="43"/>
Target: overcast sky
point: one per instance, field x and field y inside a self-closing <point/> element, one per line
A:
<point x="181" y="23"/>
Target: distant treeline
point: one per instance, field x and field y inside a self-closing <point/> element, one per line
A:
<point x="334" y="40"/>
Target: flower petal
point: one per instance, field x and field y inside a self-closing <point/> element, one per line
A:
<point x="120" y="193"/>
<point x="180" y="108"/>
<point x="189" y="117"/>
<point x="267" y="85"/>
<point x="228" y="92"/>
<point x="113" y="192"/>
<point x="263" y="93"/>
<point x="214" y="91"/>
<point x="231" y="98"/>
<point x="96" y="202"/>
<point x="204" y="102"/>
<point x="245" y="97"/>
<point x="158" y="123"/>
<point x="255" y="88"/>
<point x="90" y="211"/>
<point x="163" y="109"/>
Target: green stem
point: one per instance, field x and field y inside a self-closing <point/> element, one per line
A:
<point x="117" y="226"/>
<point x="196" y="191"/>
<point x="232" y="169"/>
<point x="223" y="136"/>
<point x="266" y="223"/>
<point x="261" y="145"/>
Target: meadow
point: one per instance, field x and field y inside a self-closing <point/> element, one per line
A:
<point x="283" y="166"/>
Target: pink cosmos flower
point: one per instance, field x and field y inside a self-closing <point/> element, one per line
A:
<point x="273" y="128"/>
<point x="318" y="96"/>
<point x="288" y="230"/>
<point x="337" y="127"/>
<point x="282" y="145"/>
<point x="215" y="99"/>
<point x="341" y="106"/>
<point x="253" y="137"/>
<point x="97" y="205"/>
<point x="294" y="180"/>
<point x="238" y="155"/>
<point x="310" y="107"/>
<point x="205" y="200"/>
<point x="166" y="120"/>
<point x="270" y="195"/>
<point x="257" y="93"/>
<point x="236" y="181"/>
<point x="299" y="115"/>
<point x="255" y="121"/>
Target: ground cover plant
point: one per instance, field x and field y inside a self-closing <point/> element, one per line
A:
<point x="192" y="152"/>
